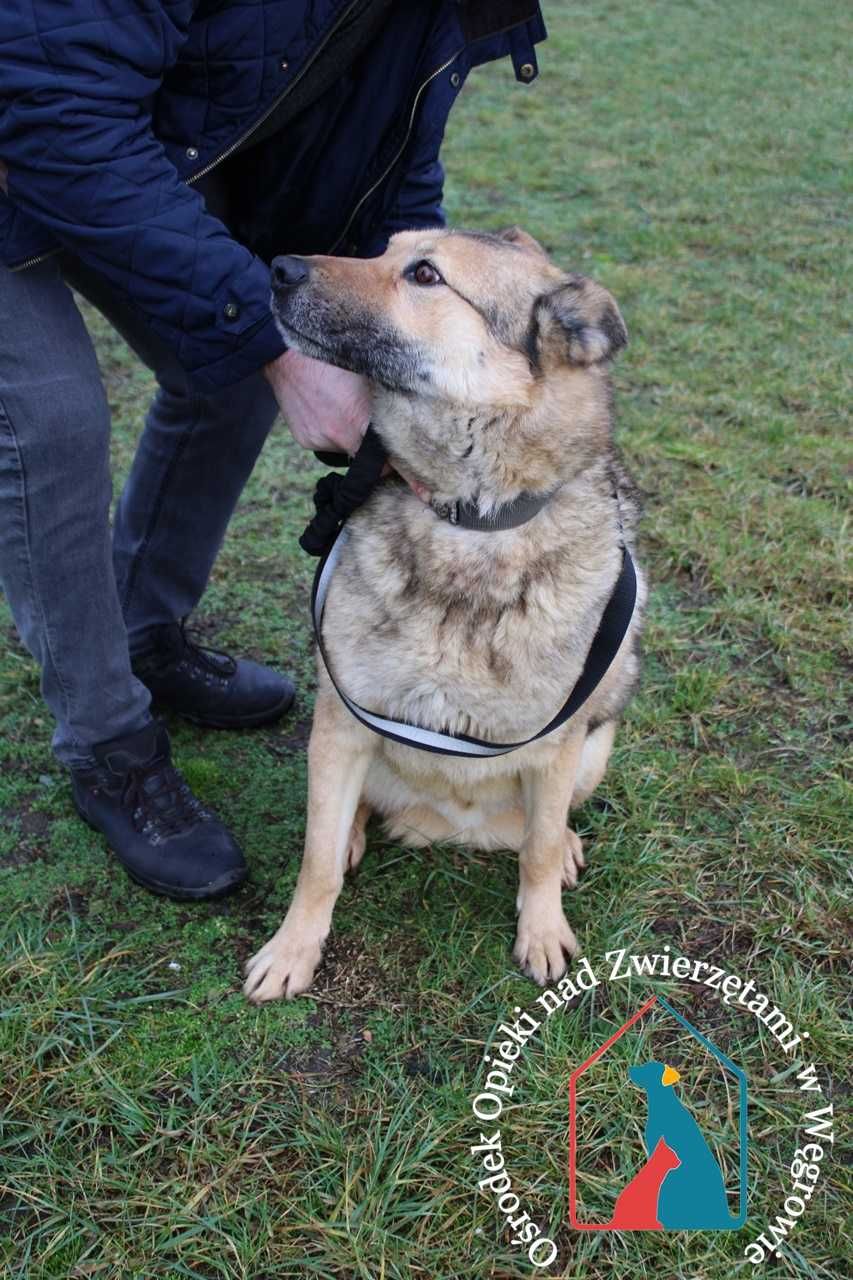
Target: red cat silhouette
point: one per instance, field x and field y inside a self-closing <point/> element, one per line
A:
<point x="636" y="1207"/>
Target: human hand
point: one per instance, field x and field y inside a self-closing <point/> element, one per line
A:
<point x="325" y="407"/>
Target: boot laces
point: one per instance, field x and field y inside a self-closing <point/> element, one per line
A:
<point x="161" y="801"/>
<point x="213" y="661"/>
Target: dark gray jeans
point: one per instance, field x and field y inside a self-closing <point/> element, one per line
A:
<point x="84" y="600"/>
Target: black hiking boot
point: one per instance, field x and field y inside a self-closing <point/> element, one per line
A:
<point x="161" y="834"/>
<point x="207" y="686"/>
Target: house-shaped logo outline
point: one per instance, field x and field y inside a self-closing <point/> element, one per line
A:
<point x="593" y="1058"/>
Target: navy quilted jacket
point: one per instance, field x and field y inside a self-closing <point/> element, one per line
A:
<point x="111" y="109"/>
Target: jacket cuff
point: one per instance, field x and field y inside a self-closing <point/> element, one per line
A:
<point x="262" y="343"/>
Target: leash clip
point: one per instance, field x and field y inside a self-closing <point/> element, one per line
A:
<point x="448" y="511"/>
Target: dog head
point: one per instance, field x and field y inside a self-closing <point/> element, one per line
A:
<point x="651" y="1075"/>
<point x="466" y="325"/>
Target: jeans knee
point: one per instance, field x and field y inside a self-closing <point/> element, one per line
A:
<point x="59" y="434"/>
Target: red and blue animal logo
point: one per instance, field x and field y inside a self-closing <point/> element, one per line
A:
<point x="681" y="1178"/>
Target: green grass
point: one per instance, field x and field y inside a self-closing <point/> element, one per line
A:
<point x="691" y="156"/>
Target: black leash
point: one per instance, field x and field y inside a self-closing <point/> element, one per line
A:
<point x="336" y="498"/>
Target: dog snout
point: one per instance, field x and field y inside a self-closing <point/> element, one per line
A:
<point x="288" y="272"/>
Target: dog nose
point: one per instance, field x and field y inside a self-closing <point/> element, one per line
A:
<point x="288" y="272"/>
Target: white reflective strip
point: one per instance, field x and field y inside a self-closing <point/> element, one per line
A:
<point x="328" y="570"/>
<point x="426" y="737"/>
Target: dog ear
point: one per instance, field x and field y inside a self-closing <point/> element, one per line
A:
<point x="516" y="235"/>
<point x="581" y="322"/>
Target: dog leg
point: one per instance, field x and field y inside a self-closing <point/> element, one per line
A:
<point x="544" y="936"/>
<point x="339" y="753"/>
<point x="593" y="763"/>
<point x="573" y="859"/>
<point x="358" y="836"/>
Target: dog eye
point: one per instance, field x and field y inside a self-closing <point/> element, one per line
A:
<point x="424" y="273"/>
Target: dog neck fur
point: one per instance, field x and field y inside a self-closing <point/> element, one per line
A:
<point x="492" y="454"/>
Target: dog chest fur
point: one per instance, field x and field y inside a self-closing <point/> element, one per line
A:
<point x="475" y="633"/>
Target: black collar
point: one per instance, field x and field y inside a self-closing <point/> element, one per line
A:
<point x="509" y="515"/>
<point x="336" y="497"/>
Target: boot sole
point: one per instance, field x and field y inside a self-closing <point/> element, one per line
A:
<point x="216" y="889"/>
<point x="238" y="722"/>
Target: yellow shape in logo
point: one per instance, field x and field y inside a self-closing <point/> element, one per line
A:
<point x="670" y="1075"/>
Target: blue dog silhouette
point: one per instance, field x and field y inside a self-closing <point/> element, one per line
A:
<point x="692" y="1195"/>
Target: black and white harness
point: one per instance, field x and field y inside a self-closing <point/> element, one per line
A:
<point x="326" y="536"/>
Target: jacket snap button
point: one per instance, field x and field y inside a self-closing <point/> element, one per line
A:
<point x="527" y="71"/>
<point x="284" y="65"/>
<point x="456" y="79"/>
<point x="192" y="153"/>
<point x="231" y="310"/>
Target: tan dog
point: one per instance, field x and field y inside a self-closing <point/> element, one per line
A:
<point x="489" y="369"/>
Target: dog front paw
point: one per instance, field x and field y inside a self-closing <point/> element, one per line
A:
<point x="284" y="967"/>
<point x="543" y="941"/>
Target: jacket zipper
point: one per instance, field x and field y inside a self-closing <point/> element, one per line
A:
<point x="398" y="152"/>
<point x="31" y="262"/>
<point x="275" y="105"/>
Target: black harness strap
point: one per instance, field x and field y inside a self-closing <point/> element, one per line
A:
<point x="328" y="527"/>
<point x="611" y="631"/>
